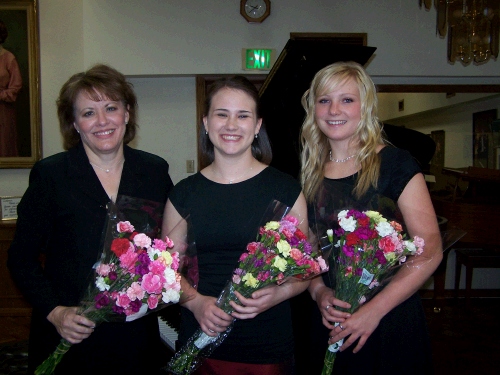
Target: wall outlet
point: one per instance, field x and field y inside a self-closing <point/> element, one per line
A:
<point x="190" y="166"/>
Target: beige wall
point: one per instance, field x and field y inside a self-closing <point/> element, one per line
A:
<point x="177" y="39"/>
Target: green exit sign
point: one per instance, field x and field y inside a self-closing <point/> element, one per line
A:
<point x="257" y="58"/>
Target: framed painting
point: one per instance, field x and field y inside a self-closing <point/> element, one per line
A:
<point x="20" y="139"/>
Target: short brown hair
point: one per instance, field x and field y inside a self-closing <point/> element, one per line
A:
<point x="99" y="82"/>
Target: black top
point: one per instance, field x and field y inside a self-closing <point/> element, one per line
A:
<point x="62" y="216"/>
<point x="400" y="344"/>
<point x="225" y="218"/>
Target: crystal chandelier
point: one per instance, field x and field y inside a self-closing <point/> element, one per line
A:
<point x="473" y="28"/>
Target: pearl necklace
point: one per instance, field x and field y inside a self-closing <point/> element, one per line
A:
<point x="341" y="160"/>
<point x="103" y="169"/>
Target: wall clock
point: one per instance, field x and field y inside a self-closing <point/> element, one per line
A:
<point x="255" y="11"/>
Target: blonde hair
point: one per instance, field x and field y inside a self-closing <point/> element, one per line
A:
<point x="368" y="135"/>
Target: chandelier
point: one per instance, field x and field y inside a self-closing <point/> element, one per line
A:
<point x="472" y="25"/>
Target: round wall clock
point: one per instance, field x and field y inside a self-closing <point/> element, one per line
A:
<point x="255" y="11"/>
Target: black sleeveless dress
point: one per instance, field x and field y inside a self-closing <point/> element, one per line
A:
<point x="224" y="219"/>
<point x="400" y="344"/>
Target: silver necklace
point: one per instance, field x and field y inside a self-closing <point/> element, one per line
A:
<point x="340" y="160"/>
<point x="232" y="180"/>
<point x="103" y="169"/>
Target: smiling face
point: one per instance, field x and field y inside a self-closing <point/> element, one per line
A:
<point x="232" y="122"/>
<point x="101" y="124"/>
<point x="338" y="112"/>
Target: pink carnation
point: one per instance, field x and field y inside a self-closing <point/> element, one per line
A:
<point x="152" y="283"/>
<point x="124" y="226"/>
<point x="296" y="254"/>
<point x="153" y="301"/>
<point x="157" y="267"/>
<point x="135" y="291"/>
<point x="128" y="260"/>
<point x="387" y="245"/>
<point x="236" y="279"/>
<point x="159" y="244"/>
<point x="142" y="240"/>
<point x="122" y="300"/>
<point x="292" y="219"/>
<point x="103" y="269"/>
<point x="169" y="243"/>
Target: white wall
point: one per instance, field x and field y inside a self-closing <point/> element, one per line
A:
<point x="167" y="120"/>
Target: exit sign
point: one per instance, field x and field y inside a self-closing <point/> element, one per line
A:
<point x="257" y="58"/>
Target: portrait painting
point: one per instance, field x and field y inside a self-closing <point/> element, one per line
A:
<point x="20" y="143"/>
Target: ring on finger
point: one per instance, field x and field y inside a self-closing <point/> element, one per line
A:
<point x="327" y="307"/>
<point x="211" y="330"/>
<point x="342" y="328"/>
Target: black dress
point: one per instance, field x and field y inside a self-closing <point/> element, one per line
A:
<point x="400" y="344"/>
<point x="61" y="217"/>
<point x="225" y="218"/>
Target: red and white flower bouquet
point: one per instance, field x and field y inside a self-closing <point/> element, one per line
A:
<point x="134" y="276"/>
<point x="280" y="251"/>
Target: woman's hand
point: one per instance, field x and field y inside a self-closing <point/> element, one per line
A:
<point x="360" y="325"/>
<point x="325" y="298"/>
<point x="267" y="297"/>
<point x="211" y="318"/>
<point x="261" y="300"/>
<point x="71" y="326"/>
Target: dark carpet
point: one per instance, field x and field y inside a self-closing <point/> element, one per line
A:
<point x="465" y="341"/>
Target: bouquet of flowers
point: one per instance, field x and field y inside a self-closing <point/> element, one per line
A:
<point x="134" y="276"/>
<point x="280" y="251"/>
<point x="368" y="248"/>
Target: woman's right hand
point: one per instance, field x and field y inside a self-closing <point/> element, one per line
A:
<point x="71" y="326"/>
<point x="211" y="318"/>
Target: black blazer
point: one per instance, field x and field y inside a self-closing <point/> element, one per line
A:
<point x="62" y="215"/>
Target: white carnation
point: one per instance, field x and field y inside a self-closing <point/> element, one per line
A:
<point x="348" y="224"/>
<point x="170" y="296"/>
<point x="384" y="229"/>
<point x="100" y="283"/>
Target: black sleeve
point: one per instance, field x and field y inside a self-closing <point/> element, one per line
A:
<point x="34" y="225"/>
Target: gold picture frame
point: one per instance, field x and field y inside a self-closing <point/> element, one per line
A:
<point x="8" y="207"/>
<point x="21" y="20"/>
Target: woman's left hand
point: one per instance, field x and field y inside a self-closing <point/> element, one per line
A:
<point x="360" y="325"/>
<point x="260" y="301"/>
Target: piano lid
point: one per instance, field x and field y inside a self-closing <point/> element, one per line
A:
<point x="283" y="88"/>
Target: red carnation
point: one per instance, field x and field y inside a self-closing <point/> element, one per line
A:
<point x="352" y="239"/>
<point x="119" y="246"/>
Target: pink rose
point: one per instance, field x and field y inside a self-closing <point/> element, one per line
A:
<point x="152" y="283"/>
<point x="124" y="226"/>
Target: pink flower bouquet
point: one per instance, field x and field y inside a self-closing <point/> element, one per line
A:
<point x="368" y="248"/>
<point x="135" y="275"/>
<point x="280" y="251"/>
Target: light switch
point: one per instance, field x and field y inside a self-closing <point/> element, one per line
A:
<point x="190" y="166"/>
